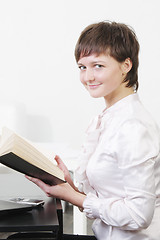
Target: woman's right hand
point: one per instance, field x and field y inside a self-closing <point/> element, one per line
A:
<point x="65" y="170"/>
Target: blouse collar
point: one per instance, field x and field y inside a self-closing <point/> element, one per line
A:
<point x="120" y="104"/>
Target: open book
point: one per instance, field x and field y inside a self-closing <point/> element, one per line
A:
<point x="20" y="154"/>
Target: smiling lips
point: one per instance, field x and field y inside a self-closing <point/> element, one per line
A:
<point x="93" y="86"/>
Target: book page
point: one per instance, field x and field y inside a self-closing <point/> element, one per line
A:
<point x="12" y="142"/>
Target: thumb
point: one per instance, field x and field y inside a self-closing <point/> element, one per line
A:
<point x="58" y="159"/>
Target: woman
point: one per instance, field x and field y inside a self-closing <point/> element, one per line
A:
<point x="119" y="169"/>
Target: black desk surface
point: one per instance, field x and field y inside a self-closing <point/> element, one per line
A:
<point x="38" y="219"/>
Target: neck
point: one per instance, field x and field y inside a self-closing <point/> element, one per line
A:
<point x="114" y="97"/>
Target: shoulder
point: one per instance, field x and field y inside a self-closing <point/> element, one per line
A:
<point x="138" y="137"/>
<point x="134" y="114"/>
<point x="135" y="122"/>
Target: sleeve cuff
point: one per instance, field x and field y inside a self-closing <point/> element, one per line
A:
<point x="91" y="206"/>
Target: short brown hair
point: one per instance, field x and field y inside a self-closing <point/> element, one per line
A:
<point x="118" y="39"/>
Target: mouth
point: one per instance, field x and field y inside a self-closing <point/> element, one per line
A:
<point x="93" y="86"/>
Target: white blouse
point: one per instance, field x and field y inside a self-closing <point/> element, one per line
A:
<point x="120" y="173"/>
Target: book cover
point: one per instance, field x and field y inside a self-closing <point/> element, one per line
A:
<point x="19" y="154"/>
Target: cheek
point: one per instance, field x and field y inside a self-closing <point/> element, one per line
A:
<point x="82" y="79"/>
<point x="115" y="78"/>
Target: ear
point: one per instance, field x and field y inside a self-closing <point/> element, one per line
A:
<point x="126" y="65"/>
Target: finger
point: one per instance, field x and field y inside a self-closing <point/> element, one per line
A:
<point x="32" y="179"/>
<point x="39" y="183"/>
<point x="42" y="185"/>
<point x="60" y="163"/>
<point x="28" y="177"/>
<point x="58" y="159"/>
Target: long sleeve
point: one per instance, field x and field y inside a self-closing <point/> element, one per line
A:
<point x="135" y="149"/>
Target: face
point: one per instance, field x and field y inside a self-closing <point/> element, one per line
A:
<point x="103" y="76"/>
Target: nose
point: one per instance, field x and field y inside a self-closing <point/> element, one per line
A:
<point x="89" y="75"/>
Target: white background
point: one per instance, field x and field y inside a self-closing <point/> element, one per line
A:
<point x="38" y="73"/>
<point x="40" y="93"/>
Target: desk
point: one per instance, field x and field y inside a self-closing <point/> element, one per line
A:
<point x="25" y="188"/>
<point x="37" y="222"/>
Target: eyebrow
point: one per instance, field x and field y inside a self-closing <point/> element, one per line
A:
<point x="94" y="62"/>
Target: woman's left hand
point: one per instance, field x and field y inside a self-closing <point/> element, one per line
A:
<point x="62" y="191"/>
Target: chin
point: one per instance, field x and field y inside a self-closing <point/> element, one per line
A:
<point x="95" y="95"/>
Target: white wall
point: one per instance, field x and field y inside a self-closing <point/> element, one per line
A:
<point x="38" y="70"/>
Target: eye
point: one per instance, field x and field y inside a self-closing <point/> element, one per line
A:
<point x="98" y="66"/>
<point x="81" y="67"/>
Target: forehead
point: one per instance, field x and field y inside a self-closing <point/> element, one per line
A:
<point x="96" y="51"/>
<point x="94" y="58"/>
